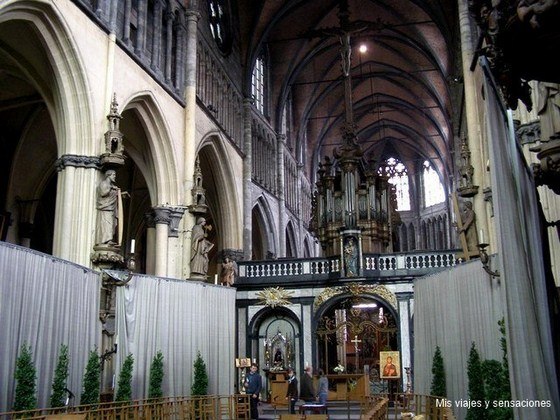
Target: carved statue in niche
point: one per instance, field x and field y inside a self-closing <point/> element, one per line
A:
<point x="350" y="257"/>
<point x="548" y="109"/>
<point x="280" y="356"/>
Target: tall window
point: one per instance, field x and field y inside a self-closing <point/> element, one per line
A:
<point x="257" y="88"/>
<point x="433" y="189"/>
<point x="398" y="176"/>
<point x="219" y="24"/>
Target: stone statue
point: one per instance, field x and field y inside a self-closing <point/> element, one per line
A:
<point x="351" y="257"/>
<point x="468" y="219"/>
<point x="229" y="270"/>
<point x="548" y="109"/>
<point x="200" y="246"/>
<point x="107" y="209"/>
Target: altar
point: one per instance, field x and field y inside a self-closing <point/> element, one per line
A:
<point x="344" y="387"/>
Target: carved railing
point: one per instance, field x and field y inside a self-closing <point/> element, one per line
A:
<point x="184" y="408"/>
<point x="410" y="264"/>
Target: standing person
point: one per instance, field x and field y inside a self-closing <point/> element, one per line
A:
<point x="323" y="391"/>
<point x="292" y="395"/>
<point x="253" y="386"/>
<point x="307" y="390"/>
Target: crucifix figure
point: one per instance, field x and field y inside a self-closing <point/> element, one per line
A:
<point x="356" y="349"/>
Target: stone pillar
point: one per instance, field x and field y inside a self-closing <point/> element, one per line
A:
<point x="169" y="17"/>
<point x="247" y="180"/>
<point x="127" y="13"/>
<point x="180" y="55"/>
<point x="404" y="327"/>
<point x="475" y="141"/>
<point x="156" y="40"/>
<point x="75" y="208"/>
<point x="162" y="219"/>
<point x="141" y="28"/>
<point x="192" y="17"/>
<point x="280" y="150"/>
<point x="174" y="268"/>
<point x="150" y="243"/>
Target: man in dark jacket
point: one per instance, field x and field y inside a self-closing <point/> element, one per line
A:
<point x="253" y="386"/>
<point x="292" y="395"/>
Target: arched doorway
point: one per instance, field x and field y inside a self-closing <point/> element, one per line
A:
<point x="276" y="345"/>
<point x="352" y="330"/>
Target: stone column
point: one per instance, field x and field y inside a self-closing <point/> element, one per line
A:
<point x="404" y="327"/>
<point x="141" y="28"/>
<point x="150" y="243"/>
<point x="169" y="17"/>
<point x="475" y="141"/>
<point x="127" y="13"/>
<point x="247" y="180"/>
<point x="192" y="17"/>
<point x="162" y="218"/>
<point x="156" y="40"/>
<point x="280" y="150"/>
<point x="75" y="211"/>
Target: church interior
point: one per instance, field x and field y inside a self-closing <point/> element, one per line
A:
<point x="330" y="183"/>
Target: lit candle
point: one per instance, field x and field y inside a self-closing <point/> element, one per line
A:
<point x="132" y="244"/>
<point x="215" y="279"/>
<point x="481" y="237"/>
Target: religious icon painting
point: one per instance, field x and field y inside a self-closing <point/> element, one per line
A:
<point x="389" y="365"/>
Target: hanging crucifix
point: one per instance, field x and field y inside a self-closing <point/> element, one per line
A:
<point x="356" y="350"/>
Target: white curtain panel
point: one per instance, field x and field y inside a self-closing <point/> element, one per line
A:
<point x="453" y="309"/>
<point x="519" y="247"/>
<point x="178" y="318"/>
<point x="45" y="302"/>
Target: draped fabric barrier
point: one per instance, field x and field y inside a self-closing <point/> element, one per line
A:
<point x="45" y="302"/>
<point x="453" y="309"/>
<point x="531" y="356"/>
<point x="178" y="318"/>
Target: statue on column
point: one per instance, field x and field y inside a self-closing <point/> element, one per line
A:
<point x="200" y="246"/>
<point x="468" y="229"/>
<point x="108" y="196"/>
<point x="549" y="110"/>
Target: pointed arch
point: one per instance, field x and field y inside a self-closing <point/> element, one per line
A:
<point x="291" y="242"/>
<point x="48" y="58"/>
<point x="221" y="190"/>
<point x="263" y="231"/>
<point x="152" y="150"/>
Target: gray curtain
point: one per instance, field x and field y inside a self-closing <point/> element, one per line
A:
<point x="178" y="318"/>
<point x="453" y="309"/>
<point x="521" y="264"/>
<point x="45" y="302"/>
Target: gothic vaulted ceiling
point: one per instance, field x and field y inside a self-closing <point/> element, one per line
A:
<point x="403" y="86"/>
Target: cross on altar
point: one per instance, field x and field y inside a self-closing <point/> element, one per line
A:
<point x="356" y="342"/>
